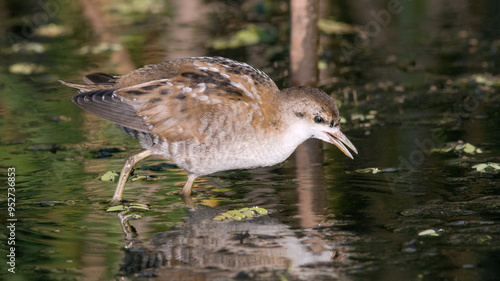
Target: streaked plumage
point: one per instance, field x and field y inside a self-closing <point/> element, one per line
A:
<point x="209" y="114"/>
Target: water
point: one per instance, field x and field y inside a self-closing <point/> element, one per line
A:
<point x="426" y="78"/>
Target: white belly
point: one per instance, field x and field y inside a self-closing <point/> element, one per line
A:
<point x="202" y="159"/>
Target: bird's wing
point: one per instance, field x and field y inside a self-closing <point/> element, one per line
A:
<point x="190" y="99"/>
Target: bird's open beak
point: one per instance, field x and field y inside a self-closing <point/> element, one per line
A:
<point x="340" y="140"/>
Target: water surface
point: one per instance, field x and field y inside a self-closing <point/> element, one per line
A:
<point x="424" y="79"/>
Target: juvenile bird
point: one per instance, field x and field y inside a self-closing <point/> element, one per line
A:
<point x="209" y="114"/>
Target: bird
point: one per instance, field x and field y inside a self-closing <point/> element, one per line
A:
<point x="209" y="114"/>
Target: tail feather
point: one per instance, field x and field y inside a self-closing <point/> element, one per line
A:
<point x="100" y="78"/>
<point x="88" y="87"/>
<point x="95" y="81"/>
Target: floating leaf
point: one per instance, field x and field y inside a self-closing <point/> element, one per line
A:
<point x="138" y="206"/>
<point x="490" y="167"/>
<point x="132" y="217"/>
<point x="247" y="212"/>
<point x="241" y="215"/>
<point x="118" y="208"/>
<point x="258" y="210"/>
<point x="469" y="148"/>
<point x="131" y="207"/>
<point x="484" y="239"/>
<point x="139" y="177"/>
<point x="428" y="232"/>
<point x="480" y="167"/>
<point x="109" y="176"/>
<point x="458" y="147"/>
<point x="485" y="80"/>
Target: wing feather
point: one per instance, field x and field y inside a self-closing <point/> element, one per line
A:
<point x="182" y="99"/>
<point x="105" y="104"/>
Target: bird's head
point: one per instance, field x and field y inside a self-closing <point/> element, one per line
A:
<point x="315" y="115"/>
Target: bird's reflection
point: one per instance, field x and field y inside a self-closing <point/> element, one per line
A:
<point x="205" y="249"/>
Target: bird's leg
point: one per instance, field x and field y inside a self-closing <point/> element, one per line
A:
<point x="186" y="190"/>
<point x="127" y="168"/>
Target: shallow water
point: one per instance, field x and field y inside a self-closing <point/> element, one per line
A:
<point x="424" y="80"/>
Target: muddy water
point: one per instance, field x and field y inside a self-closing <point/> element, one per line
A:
<point x="420" y="78"/>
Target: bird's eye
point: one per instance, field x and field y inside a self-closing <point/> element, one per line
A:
<point x="318" y="119"/>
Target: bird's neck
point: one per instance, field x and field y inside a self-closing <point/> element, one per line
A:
<point x="294" y="130"/>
